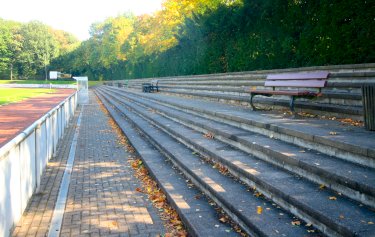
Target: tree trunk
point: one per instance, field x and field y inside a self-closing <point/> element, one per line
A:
<point x="11" y="71"/>
<point x="46" y="73"/>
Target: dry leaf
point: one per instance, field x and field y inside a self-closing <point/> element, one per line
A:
<point x="332" y="198"/>
<point x="296" y="222"/>
<point x="113" y="224"/>
<point x="223" y="219"/>
<point x="259" y="210"/>
<point x="322" y="186"/>
<point x="209" y="135"/>
<point x="332" y="133"/>
<point x="370" y="223"/>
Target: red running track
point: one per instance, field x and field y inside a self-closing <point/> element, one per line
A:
<point x="16" y="117"/>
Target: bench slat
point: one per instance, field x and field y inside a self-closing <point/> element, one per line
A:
<point x="295" y="93"/>
<point x="299" y="76"/>
<point x="297" y="83"/>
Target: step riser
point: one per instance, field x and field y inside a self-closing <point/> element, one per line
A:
<point x="271" y="130"/>
<point x="283" y="161"/>
<point x="296" y="210"/>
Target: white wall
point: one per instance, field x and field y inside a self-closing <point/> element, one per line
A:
<point x="23" y="160"/>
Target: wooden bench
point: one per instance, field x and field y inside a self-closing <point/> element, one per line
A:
<point x="150" y="86"/>
<point x="317" y="80"/>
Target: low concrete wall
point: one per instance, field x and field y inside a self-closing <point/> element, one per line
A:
<point x="23" y="160"/>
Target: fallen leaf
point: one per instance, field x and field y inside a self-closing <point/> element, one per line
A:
<point x="342" y="217"/>
<point x="333" y="133"/>
<point x="332" y="198"/>
<point x="322" y="186"/>
<point x="209" y="135"/>
<point x="296" y="222"/>
<point x="139" y="190"/>
<point x="370" y="223"/>
<point x="259" y="210"/>
<point x="223" y="219"/>
<point x="113" y="224"/>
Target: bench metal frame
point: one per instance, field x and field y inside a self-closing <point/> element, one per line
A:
<point x="150" y="86"/>
<point x="297" y="80"/>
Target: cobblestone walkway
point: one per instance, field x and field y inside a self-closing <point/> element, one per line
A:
<point x="102" y="200"/>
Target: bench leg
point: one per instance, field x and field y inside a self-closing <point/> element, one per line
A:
<point x="251" y="101"/>
<point x="291" y="103"/>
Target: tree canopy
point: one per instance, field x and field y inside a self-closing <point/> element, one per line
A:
<point x="202" y="36"/>
<point x="26" y="50"/>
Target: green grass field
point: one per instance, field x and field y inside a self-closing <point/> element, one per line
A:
<point x="11" y="95"/>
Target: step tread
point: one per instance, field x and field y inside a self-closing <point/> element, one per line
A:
<point x="307" y="128"/>
<point x="233" y="193"/>
<point x="199" y="216"/>
<point x="357" y="175"/>
<point x="308" y="192"/>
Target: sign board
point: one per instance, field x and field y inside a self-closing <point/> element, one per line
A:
<point x="53" y="75"/>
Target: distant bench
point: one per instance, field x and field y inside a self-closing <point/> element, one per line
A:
<point x="150" y="87"/>
<point x="317" y="80"/>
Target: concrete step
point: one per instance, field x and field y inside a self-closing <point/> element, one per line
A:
<point x="328" y="137"/>
<point x="354" y="110"/>
<point x="197" y="214"/>
<point x="235" y="198"/>
<point x="352" y="180"/>
<point x="301" y="197"/>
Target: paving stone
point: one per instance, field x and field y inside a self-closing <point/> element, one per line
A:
<point x="101" y="174"/>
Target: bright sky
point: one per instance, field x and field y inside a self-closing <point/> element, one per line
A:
<point x="74" y="16"/>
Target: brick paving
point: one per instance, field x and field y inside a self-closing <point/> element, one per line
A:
<point x="102" y="200"/>
<point x="38" y="214"/>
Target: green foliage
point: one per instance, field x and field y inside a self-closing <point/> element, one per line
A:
<point x="26" y="50"/>
<point x="201" y="36"/>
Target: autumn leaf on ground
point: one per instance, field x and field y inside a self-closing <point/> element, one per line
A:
<point x="322" y="186"/>
<point x="223" y="219"/>
<point x="209" y="135"/>
<point x="259" y="210"/>
<point x="332" y="133"/>
<point x="332" y="198"/>
<point x="113" y="224"/>
<point x="296" y="222"/>
<point x="139" y="190"/>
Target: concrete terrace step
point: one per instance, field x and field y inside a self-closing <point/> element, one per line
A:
<point x="232" y="196"/>
<point x="350" y="143"/>
<point x="352" y="180"/>
<point x="198" y="216"/>
<point x="342" y="109"/>
<point x="300" y="196"/>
